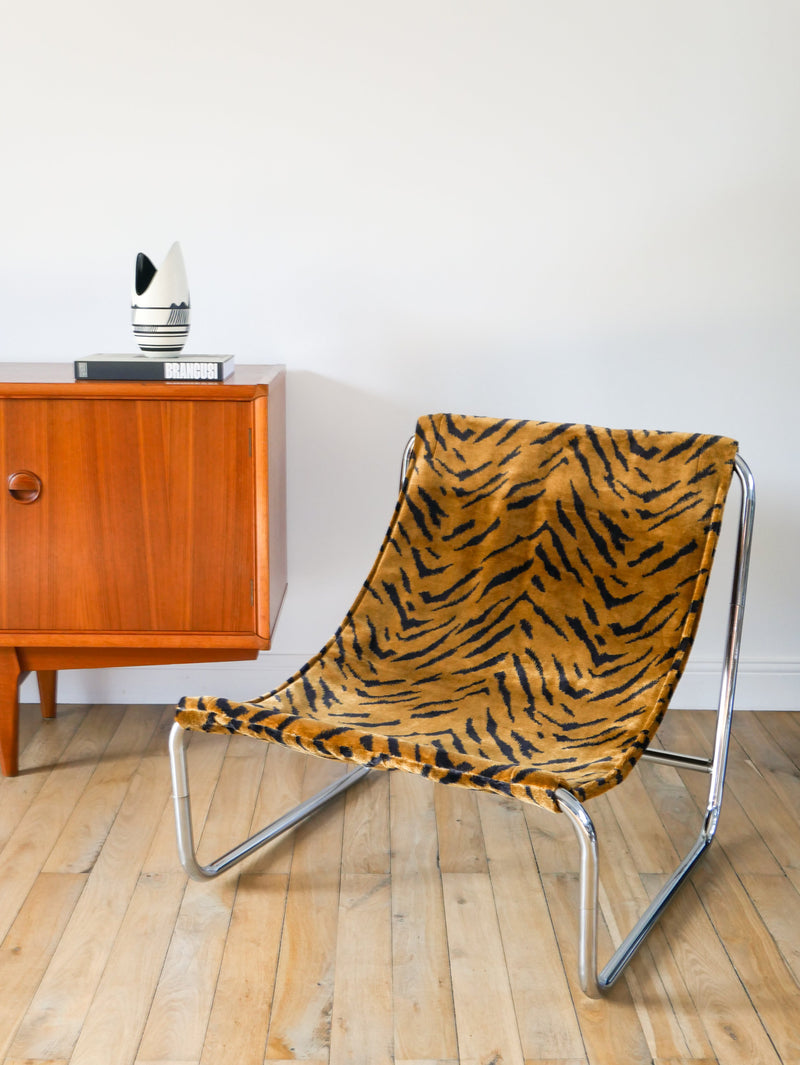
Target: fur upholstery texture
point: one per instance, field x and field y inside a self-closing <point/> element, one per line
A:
<point x="527" y="618"/>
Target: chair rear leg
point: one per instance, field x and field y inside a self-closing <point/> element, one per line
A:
<point x="594" y="983"/>
<point x="591" y="982"/>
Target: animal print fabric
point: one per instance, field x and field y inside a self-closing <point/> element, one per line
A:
<point x="527" y="618"/>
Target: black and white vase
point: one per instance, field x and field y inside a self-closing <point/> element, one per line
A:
<point x="160" y="304"/>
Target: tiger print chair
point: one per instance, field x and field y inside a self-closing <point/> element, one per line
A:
<point x="521" y="632"/>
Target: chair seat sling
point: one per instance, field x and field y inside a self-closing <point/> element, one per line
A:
<point x="528" y="616"/>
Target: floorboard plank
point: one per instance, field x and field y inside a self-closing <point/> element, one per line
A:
<point x="610" y="1027"/>
<point x="182" y="1003"/>
<point x="734" y="1029"/>
<point x="770" y="984"/>
<point x="58" y="1009"/>
<point x="29" y="845"/>
<point x="362" y="1024"/>
<point x="778" y="903"/>
<point x="300" y="1021"/>
<point x="26" y="951"/>
<point x="545" y="1013"/>
<point x="281" y="790"/>
<point x="239" y="1020"/>
<point x="114" y="1023"/>
<point x="88" y="825"/>
<point x="366" y="846"/>
<point x="486" y="1024"/>
<point x="652" y="978"/>
<point x="424" y="1024"/>
<point x="461" y="848"/>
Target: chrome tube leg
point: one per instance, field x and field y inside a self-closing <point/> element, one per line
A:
<point x="178" y="739"/>
<point x="588" y="887"/>
<point x="593" y="982"/>
<point x="730" y="666"/>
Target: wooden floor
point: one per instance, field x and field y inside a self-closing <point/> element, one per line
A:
<point x="408" y="923"/>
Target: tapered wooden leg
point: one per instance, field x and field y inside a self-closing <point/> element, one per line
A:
<point x="47" y="691"/>
<point x="9" y="711"/>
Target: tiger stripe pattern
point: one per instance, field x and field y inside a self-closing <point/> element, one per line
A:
<point x="527" y="618"/>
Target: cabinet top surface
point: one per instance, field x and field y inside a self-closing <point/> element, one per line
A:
<point x="34" y="379"/>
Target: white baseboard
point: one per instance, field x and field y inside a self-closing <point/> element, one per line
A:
<point x="762" y="685"/>
<point x="166" y="684"/>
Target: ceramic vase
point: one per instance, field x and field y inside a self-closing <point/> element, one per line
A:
<point x="160" y="304"/>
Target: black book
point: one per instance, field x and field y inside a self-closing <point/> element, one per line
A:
<point x="154" y="368"/>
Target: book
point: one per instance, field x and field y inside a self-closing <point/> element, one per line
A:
<point x="154" y="368"/>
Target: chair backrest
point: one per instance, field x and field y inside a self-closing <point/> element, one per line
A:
<point x="555" y="573"/>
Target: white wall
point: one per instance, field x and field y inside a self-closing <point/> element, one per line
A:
<point x="571" y="211"/>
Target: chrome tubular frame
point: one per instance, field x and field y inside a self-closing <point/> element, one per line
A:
<point x="178" y="739"/>
<point x="591" y="982"/>
<point x="405" y="464"/>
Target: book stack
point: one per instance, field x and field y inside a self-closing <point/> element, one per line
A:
<point x="213" y="368"/>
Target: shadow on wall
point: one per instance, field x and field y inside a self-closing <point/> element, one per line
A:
<point x="344" y="449"/>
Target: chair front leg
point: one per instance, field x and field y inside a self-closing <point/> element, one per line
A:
<point x="588" y="887"/>
<point x="178" y="739"/>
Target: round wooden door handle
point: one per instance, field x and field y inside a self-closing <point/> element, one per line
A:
<point x="24" y="486"/>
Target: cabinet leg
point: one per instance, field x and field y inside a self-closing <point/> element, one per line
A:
<point x="47" y="691"/>
<point x="9" y="711"/>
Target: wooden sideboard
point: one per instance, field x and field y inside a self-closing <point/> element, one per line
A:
<point x="141" y="523"/>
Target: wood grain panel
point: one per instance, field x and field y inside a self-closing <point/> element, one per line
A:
<point x="145" y="520"/>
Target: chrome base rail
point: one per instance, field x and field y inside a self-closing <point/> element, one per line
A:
<point x="678" y="761"/>
<point x="592" y="982"/>
<point x="178" y="739"/>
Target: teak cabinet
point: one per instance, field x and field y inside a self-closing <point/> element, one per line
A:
<point x="141" y="523"/>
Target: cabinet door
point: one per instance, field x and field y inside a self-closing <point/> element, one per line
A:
<point x="144" y="522"/>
